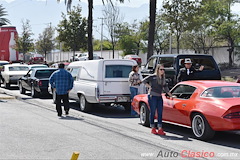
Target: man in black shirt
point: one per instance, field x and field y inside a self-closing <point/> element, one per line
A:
<point x="187" y="73"/>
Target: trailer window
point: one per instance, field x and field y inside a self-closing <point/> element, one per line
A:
<point x="18" y="68"/>
<point x="117" y="71"/>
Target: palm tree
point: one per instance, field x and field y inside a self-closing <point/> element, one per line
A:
<point x="153" y="7"/>
<point x="3" y="13"/>
<point x="90" y="22"/>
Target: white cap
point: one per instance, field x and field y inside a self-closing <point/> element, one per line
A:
<point x="187" y="60"/>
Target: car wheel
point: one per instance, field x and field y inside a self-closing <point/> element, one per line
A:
<point x="34" y="93"/>
<point x="84" y="105"/>
<point x="21" y="89"/>
<point x="54" y="96"/>
<point x="144" y="114"/>
<point x="200" y="127"/>
<point x="6" y="85"/>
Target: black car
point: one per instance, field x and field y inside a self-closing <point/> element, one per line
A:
<point x="36" y="81"/>
<point x="174" y="62"/>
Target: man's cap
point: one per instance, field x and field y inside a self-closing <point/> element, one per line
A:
<point x="187" y="60"/>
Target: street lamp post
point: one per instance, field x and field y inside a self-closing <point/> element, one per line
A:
<point x="102" y="35"/>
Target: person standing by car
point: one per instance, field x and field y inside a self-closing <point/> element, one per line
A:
<point x="187" y="73"/>
<point x="156" y="83"/>
<point x="135" y="80"/>
<point x="62" y="81"/>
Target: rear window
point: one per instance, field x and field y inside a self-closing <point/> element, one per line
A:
<point x="18" y="68"/>
<point x="167" y="62"/>
<point x="44" y="73"/>
<point x="222" y="92"/>
<point x="207" y="62"/>
<point x="117" y="71"/>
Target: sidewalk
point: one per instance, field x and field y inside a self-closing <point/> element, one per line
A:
<point x="5" y="96"/>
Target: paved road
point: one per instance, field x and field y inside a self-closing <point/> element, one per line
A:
<point x="30" y="129"/>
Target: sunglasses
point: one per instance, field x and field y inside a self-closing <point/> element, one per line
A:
<point x="161" y="69"/>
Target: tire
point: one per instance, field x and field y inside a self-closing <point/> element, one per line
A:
<point x="84" y="105"/>
<point x="54" y="96"/>
<point x="21" y="89"/>
<point x="200" y="127"/>
<point x="34" y="93"/>
<point x="144" y="115"/>
<point x="6" y="85"/>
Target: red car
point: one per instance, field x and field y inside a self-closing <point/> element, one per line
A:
<point x="205" y="106"/>
<point x="134" y="57"/>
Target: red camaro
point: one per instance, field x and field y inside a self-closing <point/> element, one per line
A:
<point x="205" y="106"/>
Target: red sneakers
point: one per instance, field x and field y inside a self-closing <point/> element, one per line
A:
<point x="161" y="132"/>
<point x="154" y="131"/>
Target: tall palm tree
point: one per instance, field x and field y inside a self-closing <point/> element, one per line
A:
<point x="3" y="13"/>
<point x="90" y="22"/>
<point x="153" y="7"/>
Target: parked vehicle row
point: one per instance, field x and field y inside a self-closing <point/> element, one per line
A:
<point x="205" y="106"/>
<point x="11" y="73"/>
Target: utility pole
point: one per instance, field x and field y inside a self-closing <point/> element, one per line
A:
<point x="102" y="35"/>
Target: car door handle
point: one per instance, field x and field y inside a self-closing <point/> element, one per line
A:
<point x="184" y="105"/>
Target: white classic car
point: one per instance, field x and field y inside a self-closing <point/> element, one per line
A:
<point x="12" y="72"/>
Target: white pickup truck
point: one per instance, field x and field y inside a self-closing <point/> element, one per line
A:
<point x="101" y="81"/>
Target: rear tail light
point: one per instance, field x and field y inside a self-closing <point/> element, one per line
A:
<point x="232" y="115"/>
<point x="39" y="83"/>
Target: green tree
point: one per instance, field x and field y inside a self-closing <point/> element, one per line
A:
<point x="90" y="22"/>
<point x="45" y="41"/>
<point x="106" y="45"/>
<point x="72" y="30"/>
<point x="131" y="36"/>
<point x="3" y="13"/>
<point x="24" y="41"/>
<point x="224" y="23"/>
<point x="179" y="14"/>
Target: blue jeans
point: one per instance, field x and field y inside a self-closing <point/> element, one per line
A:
<point x="134" y="92"/>
<point x="155" y="103"/>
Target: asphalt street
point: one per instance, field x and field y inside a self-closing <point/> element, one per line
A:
<point x="31" y="129"/>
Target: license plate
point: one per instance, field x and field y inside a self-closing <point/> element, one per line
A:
<point x="122" y="99"/>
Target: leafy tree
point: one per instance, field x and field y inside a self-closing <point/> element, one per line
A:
<point x="225" y="25"/>
<point x="45" y="41"/>
<point x="106" y="45"/>
<point x="24" y="41"/>
<point x="3" y="21"/>
<point x="127" y="44"/>
<point x="131" y="36"/>
<point x="179" y="14"/>
<point x="90" y="22"/>
<point x="73" y="30"/>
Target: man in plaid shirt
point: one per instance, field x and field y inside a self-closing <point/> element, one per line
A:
<point x="62" y="81"/>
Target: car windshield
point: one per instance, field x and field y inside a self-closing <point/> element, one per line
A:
<point x="117" y="71"/>
<point x="222" y="92"/>
<point x="18" y="68"/>
<point x="43" y="73"/>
